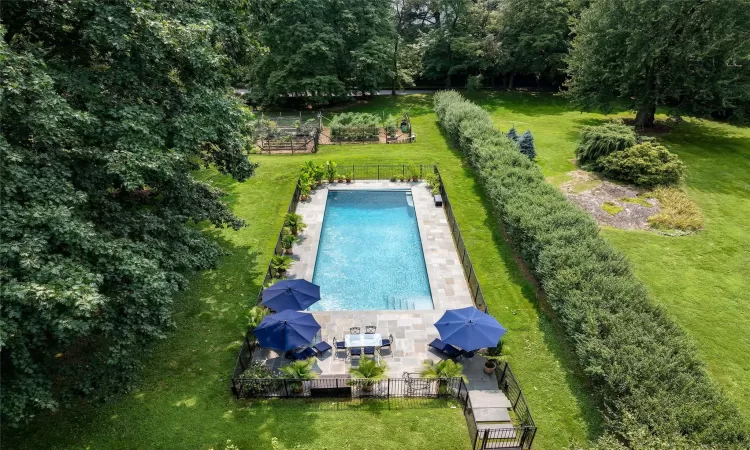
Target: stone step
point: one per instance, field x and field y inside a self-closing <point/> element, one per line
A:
<point x="488" y="398"/>
<point x="491" y="415"/>
<point x="494" y="425"/>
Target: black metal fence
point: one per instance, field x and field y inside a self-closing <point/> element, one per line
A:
<point x="463" y="253"/>
<point x="393" y="172"/>
<point x="507" y="383"/>
<point x="348" y="388"/>
<point x="519" y="434"/>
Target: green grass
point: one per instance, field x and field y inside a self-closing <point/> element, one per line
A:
<point x="611" y="208"/>
<point x="703" y="279"/>
<point x="183" y="399"/>
<point x="637" y="201"/>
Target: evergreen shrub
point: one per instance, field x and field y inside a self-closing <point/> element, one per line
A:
<point x="642" y="365"/>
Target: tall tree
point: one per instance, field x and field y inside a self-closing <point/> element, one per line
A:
<point x="106" y="110"/>
<point x="321" y="49"/>
<point x="691" y="55"/>
<point x="533" y="36"/>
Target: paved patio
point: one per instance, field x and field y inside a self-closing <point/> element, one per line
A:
<point x="412" y="329"/>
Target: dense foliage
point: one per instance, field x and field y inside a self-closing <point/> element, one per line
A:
<point x="646" y="164"/>
<point x="321" y="49"/>
<point x="643" y="366"/>
<point x="354" y="126"/>
<point x="691" y="55"/>
<point x="601" y="140"/>
<point x="106" y="109"/>
<point x="490" y="38"/>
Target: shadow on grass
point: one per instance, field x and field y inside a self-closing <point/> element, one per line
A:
<point x="554" y="336"/>
<point x="179" y="375"/>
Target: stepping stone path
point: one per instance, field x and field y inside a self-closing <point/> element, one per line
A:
<point x="491" y="410"/>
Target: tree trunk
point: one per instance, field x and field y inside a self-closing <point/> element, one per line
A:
<point x="395" y="66"/>
<point x="492" y="80"/>
<point x="644" y="118"/>
<point x="510" y="80"/>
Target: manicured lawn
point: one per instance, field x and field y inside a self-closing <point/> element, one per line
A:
<point x="183" y="400"/>
<point x="702" y="280"/>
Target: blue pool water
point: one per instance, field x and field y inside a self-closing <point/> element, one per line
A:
<point x="370" y="253"/>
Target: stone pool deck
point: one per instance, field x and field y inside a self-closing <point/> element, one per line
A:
<point x="412" y="329"/>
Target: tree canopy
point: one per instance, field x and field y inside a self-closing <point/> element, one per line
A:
<point x="106" y="110"/>
<point x="321" y="49"/>
<point x="691" y="55"/>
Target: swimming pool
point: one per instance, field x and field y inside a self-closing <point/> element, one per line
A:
<point x="370" y="253"/>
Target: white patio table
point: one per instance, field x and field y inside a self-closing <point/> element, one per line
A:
<point x="363" y="340"/>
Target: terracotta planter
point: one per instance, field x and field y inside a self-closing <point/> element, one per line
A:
<point x="489" y="367"/>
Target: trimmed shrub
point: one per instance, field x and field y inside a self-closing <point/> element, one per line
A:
<point x="526" y="145"/>
<point x="646" y="164"/>
<point x="601" y="140"/>
<point x="642" y="364"/>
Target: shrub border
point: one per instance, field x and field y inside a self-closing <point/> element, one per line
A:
<point x="643" y="365"/>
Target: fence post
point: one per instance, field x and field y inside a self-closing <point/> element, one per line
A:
<point x="389" y="388"/>
<point x="286" y="389"/>
<point x="378" y="172"/>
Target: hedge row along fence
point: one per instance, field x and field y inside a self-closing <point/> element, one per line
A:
<point x="643" y="365"/>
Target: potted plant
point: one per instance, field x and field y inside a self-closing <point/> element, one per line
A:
<point x="443" y="370"/>
<point x="280" y="264"/>
<point x="349" y="177"/>
<point x="304" y="192"/>
<point x="287" y="242"/>
<point x="394" y="178"/>
<point x="414" y="172"/>
<point x="255" y="315"/>
<point x="341" y="177"/>
<point x="299" y="371"/>
<point x="319" y="171"/>
<point x="367" y="373"/>
<point x="330" y="171"/>
<point x="494" y="356"/>
<point x="401" y="177"/>
<point x="294" y="222"/>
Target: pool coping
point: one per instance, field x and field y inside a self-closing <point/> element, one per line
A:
<point x="448" y="286"/>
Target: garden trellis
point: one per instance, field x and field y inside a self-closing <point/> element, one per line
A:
<point x="288" y="133"/>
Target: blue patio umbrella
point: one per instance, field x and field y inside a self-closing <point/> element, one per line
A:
<point x="291" y="294"/>
<point x="286" y="330"/>
<point x="469" y="329"/>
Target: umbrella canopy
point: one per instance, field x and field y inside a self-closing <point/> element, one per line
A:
<point x="291" y="294"/>
<point x="469" y="328"/>
<point x="286" y="330"/>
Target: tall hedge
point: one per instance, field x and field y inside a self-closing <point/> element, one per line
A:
<point x="643" y="365"/>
